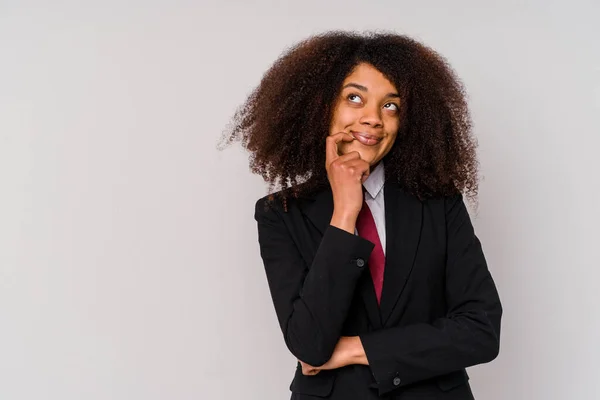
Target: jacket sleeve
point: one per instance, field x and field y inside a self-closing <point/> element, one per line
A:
<point x="311" y="301"/>
<point x="467" y="335"/>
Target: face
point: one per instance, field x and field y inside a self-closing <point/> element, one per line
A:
<point x="368" y="108"/>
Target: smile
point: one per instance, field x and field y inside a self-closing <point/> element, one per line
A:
<point x="366" y="139"/>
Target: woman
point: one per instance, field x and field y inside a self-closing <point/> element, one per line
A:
<point x="368" y="140"/>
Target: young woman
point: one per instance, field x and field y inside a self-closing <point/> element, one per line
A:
<point x="379" y="283"/>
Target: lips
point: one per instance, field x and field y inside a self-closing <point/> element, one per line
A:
<point x="366" y="139"/>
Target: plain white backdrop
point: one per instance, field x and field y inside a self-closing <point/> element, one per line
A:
<point x="129" y="262"/>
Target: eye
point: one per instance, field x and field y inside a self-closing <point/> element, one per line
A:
<point x="353" y="95"/>
<point x="392" y="104"/>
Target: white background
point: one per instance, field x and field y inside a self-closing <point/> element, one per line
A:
<point x="129" y="265"/>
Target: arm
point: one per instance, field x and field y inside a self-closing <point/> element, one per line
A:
<point x="348" y="351"/>
<point x="469" y="333"/>
<point x="311" y="303"/>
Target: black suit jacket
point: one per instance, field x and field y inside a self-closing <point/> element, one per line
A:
<point x="439" y="313"/>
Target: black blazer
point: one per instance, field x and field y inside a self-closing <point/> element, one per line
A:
<point x="440" y="311"/>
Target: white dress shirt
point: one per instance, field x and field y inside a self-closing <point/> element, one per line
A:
<point x="374" y="198"/>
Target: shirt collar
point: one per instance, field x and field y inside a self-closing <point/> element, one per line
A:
<point x="374" y="182"/>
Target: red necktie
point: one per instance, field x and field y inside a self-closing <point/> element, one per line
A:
<point x="365" y="225"/>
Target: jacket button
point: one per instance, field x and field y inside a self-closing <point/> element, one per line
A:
<point x="360" y="262"/>
<point x="396" y="381"/>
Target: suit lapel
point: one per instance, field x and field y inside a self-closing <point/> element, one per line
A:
<point x="403" y="214"/>
<point x="367" y="292"/>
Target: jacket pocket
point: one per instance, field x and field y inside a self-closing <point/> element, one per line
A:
<point x="452" y="380"/>
<point x="319" y="385"/>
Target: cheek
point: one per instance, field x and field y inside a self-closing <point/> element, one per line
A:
<point x="389" y="144"/>
<point x="342" y="118"/>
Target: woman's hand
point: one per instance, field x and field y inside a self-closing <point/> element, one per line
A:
<point x="346" y="175"/>
<point x="309" y="369"/>
<point x="348" y="351"/>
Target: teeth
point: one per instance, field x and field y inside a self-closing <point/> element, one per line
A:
<point x="367" y="136"/>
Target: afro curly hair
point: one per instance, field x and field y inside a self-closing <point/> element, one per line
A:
<point x="284" y="122"/>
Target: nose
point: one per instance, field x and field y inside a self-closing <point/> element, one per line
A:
<point x="371" y="116"/>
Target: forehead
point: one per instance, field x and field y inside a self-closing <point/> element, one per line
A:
<point x="370" y="77"/>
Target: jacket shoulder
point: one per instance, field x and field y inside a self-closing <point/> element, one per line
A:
<point x="272" y="205"/>
<point x="267" y="205"/>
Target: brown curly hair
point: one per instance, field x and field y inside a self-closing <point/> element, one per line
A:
<point x="284" y="122"/>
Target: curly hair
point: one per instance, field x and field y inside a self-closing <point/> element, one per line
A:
<point x="284" y="122"/>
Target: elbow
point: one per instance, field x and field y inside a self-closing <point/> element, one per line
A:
<point x="484" y="337"/>
<point x="494" y="335"/>
<point x="314" y="359"/>
<point x="309" y="341"/>
<point x="481" y="348"/>
<point x="490" y="344"/>
<point x="313" y="351"/>
<point x="490" y="350"/>
<point x="310" y="355"/>
<point x="490" y="339"/>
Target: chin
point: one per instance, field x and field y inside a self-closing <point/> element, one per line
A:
<point x="365" y="153"/>
<point x="367" y="156"/>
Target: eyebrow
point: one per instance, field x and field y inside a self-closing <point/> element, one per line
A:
<point x="364" y="89"/>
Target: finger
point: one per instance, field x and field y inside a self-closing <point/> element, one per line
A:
<point x="353" y="155"/>
<point x="362" y="168"/>
<point x="306" y="369"/>
<point x="332" y="145"/>
<point x="332" y="152"/>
